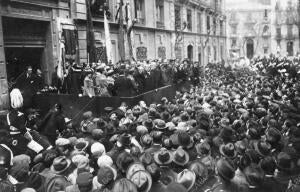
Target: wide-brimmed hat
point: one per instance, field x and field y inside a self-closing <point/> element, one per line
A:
<point x="160" y="124"/>
<point x="203" y="148"/>
<point x="142" y="179"/>
<point x="81" y="144"/>
<point x="146" y="158"/>
<point x="163" y="157"/>
<point x="285" y="162"/>
<point x="60" y="164"/>
<point x="228" y="150"/>
<point x="187" y="178"/>
<point x="184" y="139"/>
<point x="108" y="110"/>
<point x="134" y="167"/>
<point x="254" y="175"/>
<point x="180" y="157"/>
<point x="225" y="169"/>
<point x="262" y="148"/>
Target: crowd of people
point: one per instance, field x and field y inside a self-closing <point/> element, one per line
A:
<point x="238" y="132"/>
<point x="123" y="78"/>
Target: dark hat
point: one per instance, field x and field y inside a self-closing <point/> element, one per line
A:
<point x="81" y="144"/>
<point x="200" y="170"/>
<point x="184" y="116"/>
<point x="284" y="162"/>
<point x="184" y="139"/>
<point x="268" y="165"/>
<point x="106" y="174"/>
<point x="228" y="150"/>
<point x="165" y="116"/>
<point x="124" y="160"/>
<point x="125" y="140"/>
<point x="163" y="157"/>
<point x="273" y="135"/>
<point x="84" y="179"/>
<point x="180" y="157"/>
<point x="87" y="115"/>
<point x="202" y="148"/>
<point x="60" y="164"/>
<point x="108" y="109"/>
<point x="146" y="140"/>
<point x="225" y="169"/>
<point x="156" y="135"/>
<point x="6" y="156"/>
<point x="262" y="148"/>
<point x="226" y="133"/>
<point x="254" y="175"/>
<point x="149" y="124"/>
<point x="35" y="181"/>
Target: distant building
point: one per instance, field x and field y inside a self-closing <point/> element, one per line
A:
<point x="285" y="27"/>
<point x="258" y="27"/>
<point x="249" y="28"/>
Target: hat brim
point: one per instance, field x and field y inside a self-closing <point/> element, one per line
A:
<point x="156" y="159"/>
<point x="160" y="128"/>
<point x="257" y="149"/>
<point x="86" y="145"/>
<point x="61" y="171"/>
<point x="222" y="152"/>
<point x="182" y="163"/>
<point x="149" y="179"/>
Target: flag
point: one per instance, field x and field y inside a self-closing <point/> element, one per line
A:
<point x="130" y="24"/>
<point x="61" y="59"/>
<point x="107" y="39"/>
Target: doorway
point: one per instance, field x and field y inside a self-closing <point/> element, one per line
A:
<point x="190" y="52"/>
<point x="250" y="48"/>
<point x="290" y="48"/>
<point x="18" y="58"/>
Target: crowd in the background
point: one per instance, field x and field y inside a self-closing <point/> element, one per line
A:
<point x="238" y="132"/>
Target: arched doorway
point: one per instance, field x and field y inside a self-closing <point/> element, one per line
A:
<point x="290" y="48"/>
<point x="250" y="48"/>
<point x="190" y="52"/>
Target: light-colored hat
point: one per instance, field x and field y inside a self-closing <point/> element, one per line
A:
<point x="98" y="149"/>
<point x="105" y="160"/>
<point x="62" y="142"/>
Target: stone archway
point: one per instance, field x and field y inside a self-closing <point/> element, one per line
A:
<point x="250" y="48"/>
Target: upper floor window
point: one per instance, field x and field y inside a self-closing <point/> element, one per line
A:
<point x="98" y="6"/>
<point x="266" y="13"/>
<point x="177" y="17"/>
<point x="189" y="19"/>
<point x="140" y="10"/>
<point x="160" y="11"/>
<point x="208" y="23"/>
<point x="199" y="23"/>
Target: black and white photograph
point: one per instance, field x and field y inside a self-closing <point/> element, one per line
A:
<point x="149" y="95"/>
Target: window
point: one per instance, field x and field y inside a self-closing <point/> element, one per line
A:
<point x="199" y="22"/>
<point x="189" y="19"/>
<point x="140" y="10"/>
<point x="290" y="30"/>
<point x="215" y="26"/>
<point x="234" y="29"/>
<point x="208" y="23"/>
<point x="266" y="13"/>
<point x="278" y="32"/>
<point x="97" y="7"/>
<point x="221" y="28"/>
<point x="233" y="42"/>
<point x="265" y="50"/>
<point x="160" y="11"/>
<point x="177" y="18"/>
<point x="233" y="16"/>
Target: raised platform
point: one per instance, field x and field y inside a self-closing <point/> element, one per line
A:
<point x="74" y="106"/>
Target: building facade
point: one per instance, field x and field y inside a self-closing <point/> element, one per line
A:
<point x="249" y="28"/>
<point x="34" y="32"/>
<point x="165" y="29"/>
<point x="286" y="27"/>
<point x="257" y="28"/>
